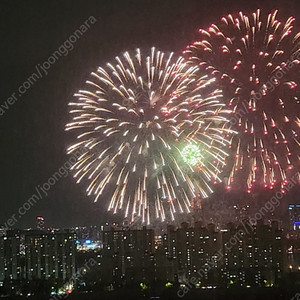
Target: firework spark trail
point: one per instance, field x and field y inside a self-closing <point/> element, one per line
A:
<point x="256" y="60"/>
<point x="134" y="119"/>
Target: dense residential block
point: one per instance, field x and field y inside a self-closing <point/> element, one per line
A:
<point x="34" y="254"/>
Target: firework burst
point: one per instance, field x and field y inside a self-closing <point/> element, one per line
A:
<point x="256" y="61"/>
<point x="134" y="120"/>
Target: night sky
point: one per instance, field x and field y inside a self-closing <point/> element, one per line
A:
<point x="33" y="140"/>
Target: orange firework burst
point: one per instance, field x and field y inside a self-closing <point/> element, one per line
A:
<point x="133" y="121"/>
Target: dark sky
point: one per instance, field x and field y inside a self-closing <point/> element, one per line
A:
<point x="33" y="140"/>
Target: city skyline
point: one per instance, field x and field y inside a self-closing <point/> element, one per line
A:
<point x="184" y="262"/>
<point x="32" y="129"/>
